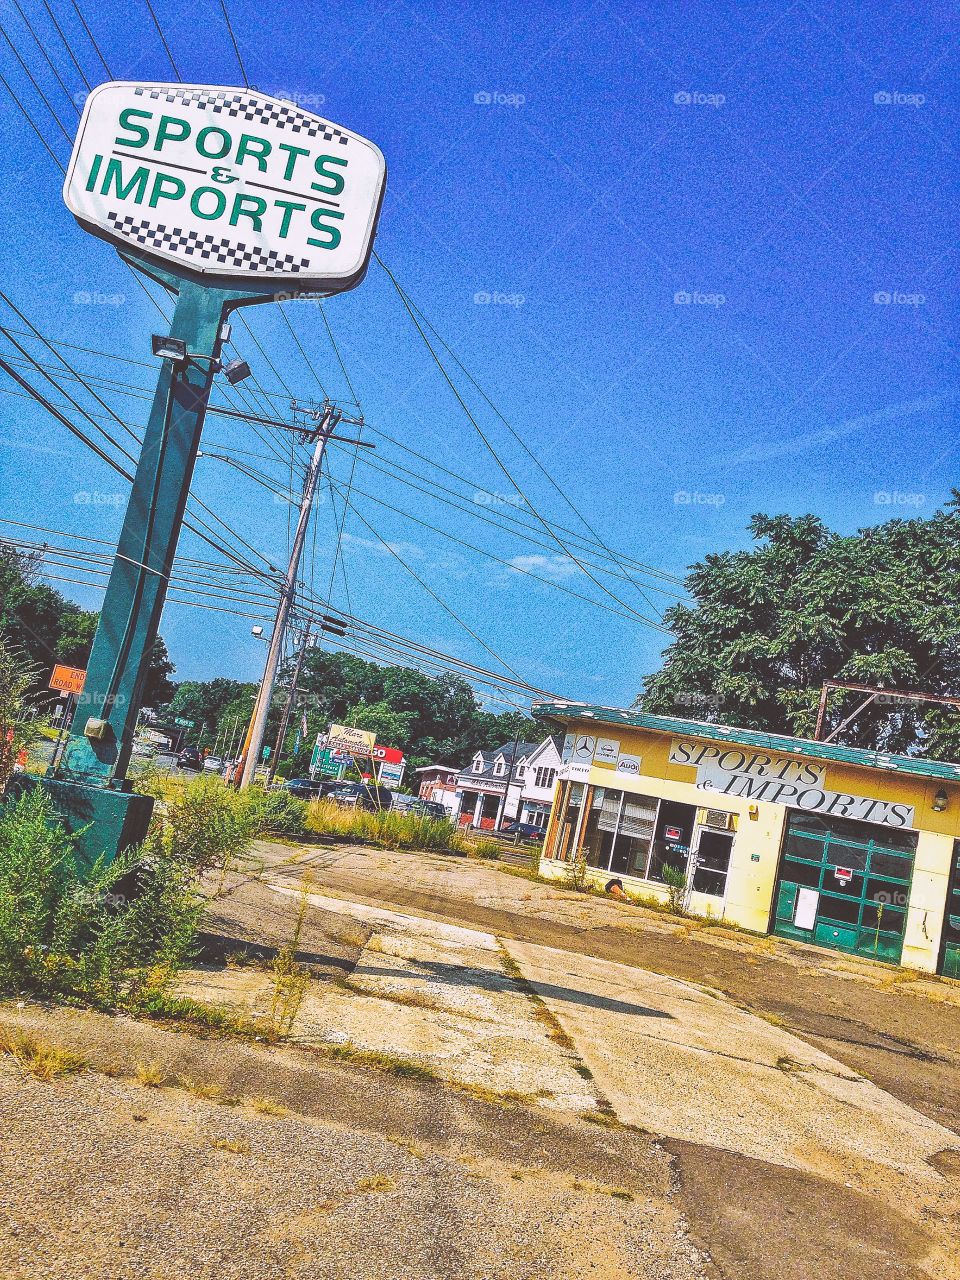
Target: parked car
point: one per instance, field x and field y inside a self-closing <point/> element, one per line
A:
<point x="213" y="764"/>
<point x="310" y="788"/>
<point x="361" y="795"/>
<point x="189" y="758"/>
<point x="525" y="830"/>
<point x="425" y="808"/>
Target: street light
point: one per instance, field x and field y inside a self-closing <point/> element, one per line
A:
<point x="168" y="348"/>
<point x="236" y="371"/>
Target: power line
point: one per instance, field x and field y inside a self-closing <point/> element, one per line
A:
<point x="503" y="467"/>
<point x="236" y="47"/>
<point x="163" y="40"/>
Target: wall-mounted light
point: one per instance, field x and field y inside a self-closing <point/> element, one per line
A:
<point x="753" y="812"/>
<point x="939" y="801"/>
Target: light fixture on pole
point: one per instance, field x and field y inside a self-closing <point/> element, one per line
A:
<point x="168" y="348"/>
<point x="236" y="371"/>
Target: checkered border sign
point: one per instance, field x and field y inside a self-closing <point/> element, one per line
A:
<point x="251" y="109"/>
<point x="207" y="247"/>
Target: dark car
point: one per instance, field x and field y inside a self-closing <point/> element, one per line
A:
<point x="189" y="758"/>
<point x="361" y="795"/>
<point x="423" y="808"/>
<point x="525" y="830"/>
<point x="310" y="788"/>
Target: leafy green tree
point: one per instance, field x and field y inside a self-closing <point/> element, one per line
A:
<point x="46" y="628"/>
<point x="767" y="626"/>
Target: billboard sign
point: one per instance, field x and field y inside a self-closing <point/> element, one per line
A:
<point x="231" y="184"/>
<point x="355" y="742"/>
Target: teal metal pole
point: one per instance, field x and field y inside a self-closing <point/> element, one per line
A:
<point x="130" y="616"/>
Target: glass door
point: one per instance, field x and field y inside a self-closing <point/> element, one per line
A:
<point x="950" y="948"/>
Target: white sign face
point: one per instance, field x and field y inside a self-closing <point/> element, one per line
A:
<point x="757" y="775"/>
<point x="606" y="752"/>
<point x="805" y="915"/>
<point x="228" y="183"/>
<point x="629" y="765"/>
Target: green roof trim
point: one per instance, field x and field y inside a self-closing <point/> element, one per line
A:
<point x="580" y="712"/>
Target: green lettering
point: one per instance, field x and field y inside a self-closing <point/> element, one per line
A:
<point x="336" y="179"/>
<point x="251" y="207"/>
<point x="294" y="152"/>
<point x="202" y="142"/>
<point x="166" y="187"/>
<point x="332" y="233"/>
<point x="220" y="202"/>
<point x="142" y="133"/>
<point x="288" y="207"/>
<point x="245" y="147"/>
<point x="165" y="131"/>
<point x="94" y="170"/>
<point x="114" y="175"/>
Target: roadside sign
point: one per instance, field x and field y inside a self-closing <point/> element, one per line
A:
<point x="392" y="755"/>
<point x="390" y="773"/>
<point x="843" y="874"/>
<point x="324" y="762"/>
<point x="67" y="679"/>
<point x="227" y="182"/>
<point x="357" y="742"/>
<point x="184" y="724"/>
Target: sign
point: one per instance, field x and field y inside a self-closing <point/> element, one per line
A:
<point x="324" y="762"/>
<point x="805" y="915"/>
<point x="605" y="753"/>
<point x="629" y="765"/>
<point x="228" y="183"/>
<point x="67" y="679"/>
<point x="393" y="755"/>
<point x="390" y="773"/>
<point x="356" y="742"/>
<point x="799" y="784"/>
<point x="154" y="735"/>
<point x="843" y="874"/>
<point x="672" y="833"/>
<point x="184" y="724"/>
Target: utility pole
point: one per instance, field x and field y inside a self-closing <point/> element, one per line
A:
<point x="330" y="417"/>
<point x="291" y="699"/>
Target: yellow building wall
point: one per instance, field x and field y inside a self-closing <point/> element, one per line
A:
<point x="755" y="855"/>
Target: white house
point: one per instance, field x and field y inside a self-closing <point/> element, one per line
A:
<point x="539" y="775"/>
<point x="490" y="786"/>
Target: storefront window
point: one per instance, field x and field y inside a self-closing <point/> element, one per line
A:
<point x="636" y="835"/>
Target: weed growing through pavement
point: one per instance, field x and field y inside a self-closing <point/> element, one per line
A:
<point x="238" y="1146"/>
<point x="290" y="979"/>
<point x="268" y="1106"/>
<point x="150" y="1074"/>
<point x="378" y="1182"/>
<point x="39" y="1058"/>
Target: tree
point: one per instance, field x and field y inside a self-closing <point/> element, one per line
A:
<point x="46" y="628"/>
<point x="769" y="625"/>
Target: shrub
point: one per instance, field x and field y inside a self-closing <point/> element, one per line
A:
<point x="676" y="881"/>
<point x="61" y="934"/>
<point x="391" y="828"/>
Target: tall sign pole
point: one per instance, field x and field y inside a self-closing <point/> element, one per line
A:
<point x="228" y="198"/>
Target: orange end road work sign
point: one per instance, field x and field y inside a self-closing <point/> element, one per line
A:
<point x="68" y="679"/>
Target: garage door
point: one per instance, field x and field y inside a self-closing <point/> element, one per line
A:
<point x="845" y="885"/>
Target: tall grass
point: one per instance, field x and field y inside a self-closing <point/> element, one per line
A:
<point x="394" y="829"/>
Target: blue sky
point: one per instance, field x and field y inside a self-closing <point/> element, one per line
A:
<point x="717" y="247"/>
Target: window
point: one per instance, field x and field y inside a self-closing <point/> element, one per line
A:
<point x="478" y="764"/>
<point x="500" y="767"/>
<point x="636" y="835"/>
<point x="544" y="777"/>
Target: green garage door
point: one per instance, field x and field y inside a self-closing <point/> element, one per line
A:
<point x="845" y="885"/>
<point x="950" y="958"/>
